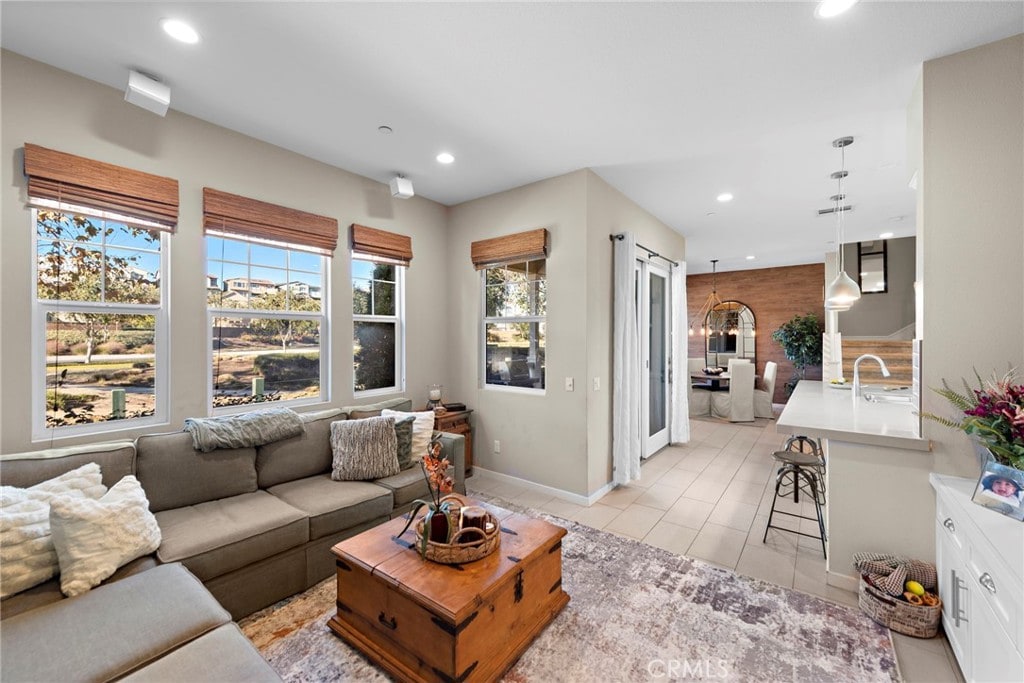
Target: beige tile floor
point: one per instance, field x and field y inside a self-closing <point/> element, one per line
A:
<point x="710" y="499"/>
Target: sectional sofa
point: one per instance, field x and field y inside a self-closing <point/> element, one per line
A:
<point x="253" y="525"/>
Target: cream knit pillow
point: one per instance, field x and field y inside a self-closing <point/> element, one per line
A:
<point x="422" y="430"/>
<point x="27" y="556"/>
<point x="94" y="538"/>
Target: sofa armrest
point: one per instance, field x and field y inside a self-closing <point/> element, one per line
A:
<point x="453" y="447"/>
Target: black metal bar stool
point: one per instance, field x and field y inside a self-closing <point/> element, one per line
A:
<point x="802" y="468"/>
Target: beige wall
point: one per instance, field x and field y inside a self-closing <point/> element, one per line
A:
<point x="559" y="439"/>
<point x="972" y="229"/>
<point x="55" y="109"/>
<point x="883" y="313"/>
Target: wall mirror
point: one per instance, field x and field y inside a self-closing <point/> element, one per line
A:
<point x="731" y="334"/>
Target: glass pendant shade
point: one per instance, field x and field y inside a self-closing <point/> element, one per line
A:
<point x="843" y="292"/>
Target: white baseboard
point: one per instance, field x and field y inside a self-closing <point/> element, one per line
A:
<point x="541" y="488"/>
<point x="843" y="581"/>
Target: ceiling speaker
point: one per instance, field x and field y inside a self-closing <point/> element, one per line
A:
<point x="148" y="93"/>
<point x="401" y="187"/>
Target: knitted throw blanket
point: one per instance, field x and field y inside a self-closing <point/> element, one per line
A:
<point x="243" y="431"/>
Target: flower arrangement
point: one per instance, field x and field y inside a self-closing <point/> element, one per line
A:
<point x="993" y="413"/>
<point x="436" y="525"/>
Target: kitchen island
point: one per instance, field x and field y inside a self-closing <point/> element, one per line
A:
<point x="879" y="498"/>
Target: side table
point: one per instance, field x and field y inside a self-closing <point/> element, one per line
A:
<point x="458" y="422"/>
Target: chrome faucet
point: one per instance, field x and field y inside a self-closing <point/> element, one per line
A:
<point x="856" y="372"/>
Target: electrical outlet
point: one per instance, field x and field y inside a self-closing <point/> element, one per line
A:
<point x="568" y="384"/>
<point x="497" y="446"/>
<point x="597" y="384"/>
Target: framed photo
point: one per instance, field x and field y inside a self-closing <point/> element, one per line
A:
<point x="1001" y="488"/>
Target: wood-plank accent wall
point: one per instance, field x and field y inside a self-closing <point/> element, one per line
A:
<point x="774" y="295"/>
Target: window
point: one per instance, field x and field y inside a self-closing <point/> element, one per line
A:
<point x="515" y="315"/>
<point x="100" y="321"/>
<point x="266" y="303"/>
<point x="377" y="316"/>
<point x="872" y="266"/>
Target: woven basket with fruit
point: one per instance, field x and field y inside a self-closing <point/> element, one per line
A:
<point x="899" y="593"/>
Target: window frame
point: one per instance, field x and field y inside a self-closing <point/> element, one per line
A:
<point x="884" y="253"/>
<point x="40" y="308"/>
<point x="323" y="317"/>
<point x="485" y="320"/>
<point x="398" y="319"/>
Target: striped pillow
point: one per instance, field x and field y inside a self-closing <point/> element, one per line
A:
<point x="364" y="449"/>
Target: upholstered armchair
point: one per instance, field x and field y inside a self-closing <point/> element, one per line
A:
<point x="737" y="404"/>
<point x="763" y="397"/>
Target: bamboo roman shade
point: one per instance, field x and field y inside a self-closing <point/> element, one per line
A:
<point x="522" y="246"/>
<point x="381" y="243"/>
<point x="231" y="213"/>
<point x="75" y="180"/>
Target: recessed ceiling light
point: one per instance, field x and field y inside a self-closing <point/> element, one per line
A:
<point x="724" y="197"/>
<point x="750" y="258"/>
<point x="827" y="9"/>
<point x="384" y="130"/>
<point x="445" y="158"/>
<point x="179" y="30"/>
<point x="885" y="235"/>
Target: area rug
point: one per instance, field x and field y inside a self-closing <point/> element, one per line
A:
<point x="637" y="613"/>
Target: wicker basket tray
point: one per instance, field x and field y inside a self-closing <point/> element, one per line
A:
<point x="920" y="621"/>
<point x="467" y="545"/>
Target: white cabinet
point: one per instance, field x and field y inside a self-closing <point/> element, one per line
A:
<point x="980" y="561"/>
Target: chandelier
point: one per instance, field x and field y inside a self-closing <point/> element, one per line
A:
<point x="843" y="291"/>
<point x="707" y="311"/>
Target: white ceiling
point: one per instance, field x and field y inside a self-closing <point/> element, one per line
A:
<point x="671" y="103"/>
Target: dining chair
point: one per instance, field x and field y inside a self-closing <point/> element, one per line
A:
<point x="737" y="404"/>
<point x="763" y="397"/>
<point x="700" y="400"/>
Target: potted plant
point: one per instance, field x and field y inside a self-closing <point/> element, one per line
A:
<point x="800" y="339"/>
<point x="992" y="413"/>
<point x="437" y="520"/>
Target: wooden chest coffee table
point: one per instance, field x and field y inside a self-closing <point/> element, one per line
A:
<point x="423" y="621"/>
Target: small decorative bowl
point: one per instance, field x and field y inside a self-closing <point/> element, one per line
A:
<point x="713" y="371"/>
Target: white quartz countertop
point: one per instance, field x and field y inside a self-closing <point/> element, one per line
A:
<point x="816" y="409"/>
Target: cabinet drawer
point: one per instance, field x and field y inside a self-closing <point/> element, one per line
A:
<point x="994" y="584"/>
<point x="954" y="530"/>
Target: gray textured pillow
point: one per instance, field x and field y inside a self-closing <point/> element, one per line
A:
<point x="403" y="439"/>
<point x="364" y="449"/>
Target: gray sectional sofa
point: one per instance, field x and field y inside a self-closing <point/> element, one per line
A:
<point x="253" y="525"/>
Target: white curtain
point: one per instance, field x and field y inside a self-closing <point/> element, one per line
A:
<point x="680" y="425"/>
<point x="626" y="444"/>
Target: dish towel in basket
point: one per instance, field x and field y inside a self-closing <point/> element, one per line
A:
<point x="891" y="572"/>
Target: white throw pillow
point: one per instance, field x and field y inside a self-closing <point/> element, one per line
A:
<point x="27" y="556"/>
<point x="422" y="430"/>
<point x="94" y="538"/>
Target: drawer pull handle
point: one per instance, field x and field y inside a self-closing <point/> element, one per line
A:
<point x="986" y="581"/>
<point x="949" y="524"/>
<point x="391" y="623"/>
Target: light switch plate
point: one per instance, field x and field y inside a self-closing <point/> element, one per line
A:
<point x="568" y="384"/>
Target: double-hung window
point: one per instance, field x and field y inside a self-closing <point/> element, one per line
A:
<point x="267" y="302"/>
<point x="100" y="239"/>
<point x="514" y="291"/>
<point x="379" y="262"/>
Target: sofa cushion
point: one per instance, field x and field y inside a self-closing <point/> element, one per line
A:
<point x="175" y="475"/>
<point x="403" y="441"/>
<point x="334" y="506"/>
<point x="223" y="654"/>
<point x="373" y="409"/>
<point x="422" y="429"/>
<point x="115" y="458"/>
<point x="94" y="538"/>
<point x="219" y="536"/>
<point x="110" y="631"/>
<point x="48" y="592"/>
<point x="364" y="449"/>
<point x="301" y="456"/>
<point x="406" y="486"/>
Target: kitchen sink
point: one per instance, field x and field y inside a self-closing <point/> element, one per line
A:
<point x="887" y="394"/>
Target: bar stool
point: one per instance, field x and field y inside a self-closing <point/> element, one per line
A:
<point x="802" y="468"/>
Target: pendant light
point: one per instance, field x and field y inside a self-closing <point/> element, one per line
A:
<point x="843" y="292"/>
<point x="708" y="306"/>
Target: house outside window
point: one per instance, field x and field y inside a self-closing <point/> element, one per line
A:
<point x="267" y="329"/>
<point x="378" y="343"/>
<point x="514" y="324"/>
<point x="100" y="322"/>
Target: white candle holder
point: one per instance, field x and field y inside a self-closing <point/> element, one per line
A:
<point x="434" y="396"/>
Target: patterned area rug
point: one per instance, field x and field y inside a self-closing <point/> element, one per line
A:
<point x="637" y="613"/>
